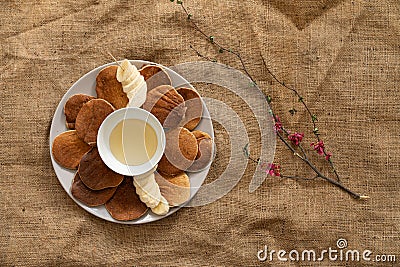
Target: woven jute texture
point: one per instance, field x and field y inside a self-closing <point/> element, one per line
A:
<point x="343" y="56"/>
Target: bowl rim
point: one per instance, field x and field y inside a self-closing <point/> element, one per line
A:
<point x="107" y="126"/>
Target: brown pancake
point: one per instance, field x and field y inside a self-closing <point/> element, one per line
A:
<point x="154" y="76"/>
<point x="72" y="107"/>
<point x="109" y="88"/>
<point x="200" y="135"/>
<point x="180" y="151"/>
<point x="68" y="149"/>
<point x="166" y="105"/>
<point x="89" y="197"/>
<point x="125" y="205"/>
<point x="194" y="107"/>
<point x="175" y="189"/>
<point x="90" y="117"/>
<point x="204" y="153"/>
<point x="94" y="172"/>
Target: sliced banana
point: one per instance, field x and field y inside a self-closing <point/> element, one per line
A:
<point x="138" y="97"/>
<point x="154" y="193"/>
<point x="162" y="208"/>
<point x="125" y="70"/>
<point x="133" y="83"/>
<point x="132" y="94"/>
<point x="146" y="198"/>
<point x="131" y="78"/>
<point x="144" y="175"/>
<point x="148" y="189"/>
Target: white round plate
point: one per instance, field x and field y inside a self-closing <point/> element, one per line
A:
<point x="87" y="85"/>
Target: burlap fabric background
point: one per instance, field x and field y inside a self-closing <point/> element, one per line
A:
<point x="343" y="56"/>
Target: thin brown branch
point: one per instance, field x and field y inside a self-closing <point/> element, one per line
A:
<point x="294" y="177"/>
<point x="312" y="116"/>
<point x="192" y="22"/>
<point x="314" y="168"/>
<point x="200" y="54"/>
<point x="302" y="151"/>
<point x="300" y="98"/>
<point x="333" y="167"/>
<point x="221" y="48"/>
<point x="289" y="146"/>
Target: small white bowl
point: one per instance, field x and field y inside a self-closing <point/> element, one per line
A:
<point x="103" y="140"/>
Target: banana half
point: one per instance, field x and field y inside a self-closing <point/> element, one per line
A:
<point x="150" y="194"/>
<point x="133" y="83"/>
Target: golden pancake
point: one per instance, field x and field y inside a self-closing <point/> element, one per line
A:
<point x="68" y="149"/>
<point x="154" y="76"/>
<point x="200" y="135"/>
<point x="194" y="107"/>
<point x="89" y="197"/>
<point x="204" y="153"/>
<point x="180" y="151"/>
<point x="175" y="189"/>
<point x="90" y="117"/>
<point x="72" y="107"/>
<point x="109" y="88"/>
<point x="166" y="105"/>
<point x="125" y="204"/>
<point x="95" y="174"/>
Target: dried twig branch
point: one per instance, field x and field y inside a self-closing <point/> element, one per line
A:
<point x="313" y="117"/>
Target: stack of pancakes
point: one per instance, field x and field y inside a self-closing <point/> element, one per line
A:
<point x="178" y="110"/>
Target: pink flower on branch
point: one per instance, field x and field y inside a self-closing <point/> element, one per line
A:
<point x="274" y="170"/>
<point x="320" y="148"/>
<point x="296" y="138"/>
<point x="278" y="124"/>
<point x="328" y="156"/>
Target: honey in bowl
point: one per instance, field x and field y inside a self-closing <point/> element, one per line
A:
<point x="133" y="142"/>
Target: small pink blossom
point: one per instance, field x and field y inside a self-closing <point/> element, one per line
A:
<point x="278" y="124"/>
<point x="319" y="147"/>
<point x="296" y="138"/>
<point x="274" y="170"/>
<point x="328" y="156"/>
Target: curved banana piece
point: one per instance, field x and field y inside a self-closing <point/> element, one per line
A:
<point x="146" y="198"/>
<point x="148" y="190"/>
<point x="131" y="78"/>
<point x="125" y="70"/>
<point x="162" y="208"/>
<point x="133" y="83"/>
<point x="138" y="96"/>
<point x="144" y="175"/>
